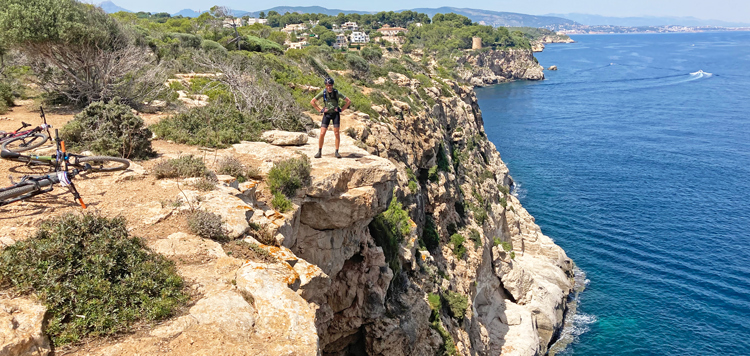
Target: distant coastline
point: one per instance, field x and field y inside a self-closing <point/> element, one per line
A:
<point x="607" y="29"/>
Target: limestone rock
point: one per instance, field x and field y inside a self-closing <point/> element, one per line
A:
<point x="552" y="68"/>
<point x="185" y="245"/>
<point x="284" y="138"/>
<point x="234" y="212"/>
<point x="281" y="313"/>
<point x="21" y="328"/>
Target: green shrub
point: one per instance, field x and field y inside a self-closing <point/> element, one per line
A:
<point x="6" y="97"/>
<point x="182" y="167"/>
<point x="389" y="229"/>
<point x="215" y="125"/>
<point x="108" y="129"/>
<point x="213" y="46"/>
<point x="92" y="276"/>
<point x="457" y="304"/>
<point x="413" y="186"/>
<point x="432" y="174"/>
<point x="458" y="245"/>
<point x="442" y="160"/>
<point x="205" y="184"/>
<point x="232" y="166"/>
<point x="430" y="235"/>
<point x="206" y="225"/>
<point x="449" y="347"/>
<point x="474" y="236"/>
<point x="503" y="189"/>
<point x="289" y="175"/>
<point x="434" y="300"/>
<point x="280" y="202"/>
<point x="371" y="53"/>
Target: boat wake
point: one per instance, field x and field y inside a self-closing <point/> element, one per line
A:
<point x="700" y="74"/>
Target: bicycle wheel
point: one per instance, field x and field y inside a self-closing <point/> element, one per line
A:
<point x="104" y="163"/>
<point x="25" y="142"/>
<point x="15" y="192"/>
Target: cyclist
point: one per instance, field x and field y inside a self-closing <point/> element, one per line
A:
<point x="331" y="111"/>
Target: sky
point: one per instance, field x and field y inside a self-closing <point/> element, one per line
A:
<point x="726" y="10"/>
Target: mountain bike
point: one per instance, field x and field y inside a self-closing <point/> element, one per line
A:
<point x="32" y="185"/>
<point x="97" y="163"/>
<point x="19" y="141"/>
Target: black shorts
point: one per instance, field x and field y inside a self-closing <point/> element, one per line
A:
<point x="327" y="117"/>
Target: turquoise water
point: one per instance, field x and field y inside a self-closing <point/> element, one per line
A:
<point x="638" y="165"/>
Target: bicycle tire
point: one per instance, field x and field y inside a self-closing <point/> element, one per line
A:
<point x="16" y="192"/>
<point x="25" y="142"/>
<point x="100" y="163"/>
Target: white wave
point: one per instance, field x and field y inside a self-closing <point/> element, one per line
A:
<point x="701" y="74"/>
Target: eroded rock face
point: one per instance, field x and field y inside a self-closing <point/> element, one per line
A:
<point x="21" y="328"/>
<point x="497" y="66"/>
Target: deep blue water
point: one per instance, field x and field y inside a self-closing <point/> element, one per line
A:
<point x="640" y="170"/>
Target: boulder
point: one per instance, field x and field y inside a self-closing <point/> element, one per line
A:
<point x="284" y="138"/>
<point x="21" y="328"/>
<point x="552" y="68"/>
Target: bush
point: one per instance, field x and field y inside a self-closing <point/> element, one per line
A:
<point x="6" y="97"/>
<point x="430" y="235"/>
<point x="206" y="225"/>
<point x="205" y="184"/>
<point x="289" y="175"/>
<point x="389" y="229"/>
<point x="93" y="278"/>
<point x="458" y="245"/>
<point x="457" y="304"/>
<point x="216" y="125"/>
<point x="108" y="129"/>
<point x="183" y="167"/>
<point x="434" y="301"/>
<point x="233" y="167"/>
<point x="213" y="46"/>
<point x="474" y="236"/>
<point x="280" y="202"/>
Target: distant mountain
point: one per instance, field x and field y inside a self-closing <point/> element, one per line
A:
<point x="593" y="20"/>
<point x="302" y="10"/>
<point x="494" y="18"/>
<point x="187" y="13"/>
<point x="110" y="7"/>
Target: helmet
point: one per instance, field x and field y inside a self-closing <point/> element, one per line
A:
<point x="329" y="80"/>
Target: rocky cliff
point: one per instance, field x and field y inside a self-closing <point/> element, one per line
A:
<point x="474" y="275"/>
<point x="487" y="67"/>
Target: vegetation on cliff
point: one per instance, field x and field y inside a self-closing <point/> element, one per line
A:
<point x="93" y="277"/>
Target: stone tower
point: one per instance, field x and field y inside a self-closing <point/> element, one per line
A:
<point x="476" y="43"/>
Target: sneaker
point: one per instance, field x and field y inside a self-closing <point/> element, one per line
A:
<point x="317" y="155"/>
<point x="337" y="154"/>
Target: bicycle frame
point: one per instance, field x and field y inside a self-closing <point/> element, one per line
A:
<point x="14" y="134"/>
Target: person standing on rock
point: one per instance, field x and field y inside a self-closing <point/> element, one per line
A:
<point x="331" y="111"/>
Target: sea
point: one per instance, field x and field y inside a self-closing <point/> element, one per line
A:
<point x="634" y="156"/>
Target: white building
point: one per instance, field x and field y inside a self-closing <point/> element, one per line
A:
<point x="387" y="30"/>
<point x="349" y="26"/>
<point x="297" y="27"/>
<point x="341" y="42"/>
<point x="297" y="45"/>
<point x="253" y="21"/>
<point x="359" y="37"/>
<point x="228" y="22"/>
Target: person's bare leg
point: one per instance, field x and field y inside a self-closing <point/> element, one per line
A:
<point x="338" y="141"/>
<point x="321" y="139"/>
